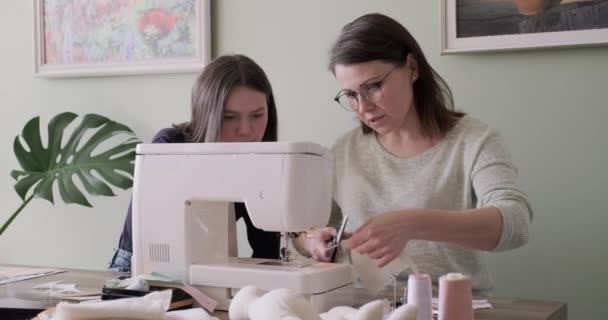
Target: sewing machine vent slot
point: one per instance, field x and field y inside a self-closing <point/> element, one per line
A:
<point x="159" y="252"/>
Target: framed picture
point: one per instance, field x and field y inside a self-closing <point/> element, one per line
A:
<point x="74" y="38"/>
<point x="482" y="25"/>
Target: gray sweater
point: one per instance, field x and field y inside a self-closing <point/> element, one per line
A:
<point x="469" y="168"/>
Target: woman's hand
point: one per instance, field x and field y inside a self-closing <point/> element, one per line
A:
<point x="316" y="242"/>
<point x="382" y="237"/>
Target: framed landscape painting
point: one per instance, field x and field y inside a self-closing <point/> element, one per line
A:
<point x="482" y="25"/>
<point x="74" y="38"/>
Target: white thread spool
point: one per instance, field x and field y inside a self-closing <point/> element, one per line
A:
<point x="419" y="293"/>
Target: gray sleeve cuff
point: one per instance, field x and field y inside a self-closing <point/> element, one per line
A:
<point x="515" y="223"/>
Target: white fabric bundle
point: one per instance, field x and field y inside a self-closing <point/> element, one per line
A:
<point x="371" y="311"/>
<point x="405" y="312"/>
<point x="374" y="310"/>
<point x="189" y="314"/>
<point x="239" y="307"/>
<point x="283" y="304"/>
<point x="153" y="306"/>
<point x="280" y="304"/>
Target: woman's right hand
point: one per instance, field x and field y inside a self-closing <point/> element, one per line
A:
<point x="316" y="242"/>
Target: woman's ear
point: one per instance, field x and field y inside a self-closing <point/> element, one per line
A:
<point x="412" y="64"/>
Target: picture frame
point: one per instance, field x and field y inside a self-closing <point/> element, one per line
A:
<point x="502" y="25"/>
<point x="115" y="38"/>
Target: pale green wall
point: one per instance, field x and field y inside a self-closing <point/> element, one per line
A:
<point x="549" y="105"/>
<point x="70" y="235"/>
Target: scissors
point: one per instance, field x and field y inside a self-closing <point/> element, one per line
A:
<point x="335" y="244"/>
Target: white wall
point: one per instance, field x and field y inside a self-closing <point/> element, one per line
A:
<point x="549" y="104"/>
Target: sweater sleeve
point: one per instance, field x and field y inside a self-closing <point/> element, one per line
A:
<point x="168" y="135"/>
<point x="494" y="182"/>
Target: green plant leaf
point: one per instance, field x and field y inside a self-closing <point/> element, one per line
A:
<point x="43" y="167"/>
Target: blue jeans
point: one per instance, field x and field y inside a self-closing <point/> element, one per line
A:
<point x="121" y="261"/>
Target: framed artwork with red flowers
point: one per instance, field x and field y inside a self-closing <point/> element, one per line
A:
<point x="76" y="38"/>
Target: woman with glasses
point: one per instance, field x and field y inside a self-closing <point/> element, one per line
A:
<point x="418" y="180"/>
<point x="232" y="101"/>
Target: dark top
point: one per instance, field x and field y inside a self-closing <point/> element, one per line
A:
<point x="264" y="244"/>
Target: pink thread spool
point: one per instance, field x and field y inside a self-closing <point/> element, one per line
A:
<point x="455" y="297"/>
<point x="419" y="293"/>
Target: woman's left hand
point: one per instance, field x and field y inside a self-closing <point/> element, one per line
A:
<point x="382" y="237"/>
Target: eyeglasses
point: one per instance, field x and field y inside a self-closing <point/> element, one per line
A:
<point x="371" y="92"/>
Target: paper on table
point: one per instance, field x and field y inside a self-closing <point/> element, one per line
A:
<point x="157" y="279"/>
<point x="13" y="274"/>
<point x="56" y="286"/>
<point x="202" y="299"/>
<point x="66" y="291"/>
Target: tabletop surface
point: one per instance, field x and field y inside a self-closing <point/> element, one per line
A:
<point x="20" y="295"/>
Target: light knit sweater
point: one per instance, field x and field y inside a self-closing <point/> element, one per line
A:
<point x="469" y="168"/>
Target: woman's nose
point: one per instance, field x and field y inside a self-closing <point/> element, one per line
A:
<point x="365" y="105"/>
<point x="244" y="127"/>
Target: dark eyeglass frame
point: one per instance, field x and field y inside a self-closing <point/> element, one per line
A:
<point x="364" y="90"/>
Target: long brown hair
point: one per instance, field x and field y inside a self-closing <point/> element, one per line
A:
<point x="378" y="37"/>
<point x="210" y="93"/>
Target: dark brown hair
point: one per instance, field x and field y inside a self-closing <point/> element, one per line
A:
<point x="210" y="93"/>
<point x="378" y="37"/>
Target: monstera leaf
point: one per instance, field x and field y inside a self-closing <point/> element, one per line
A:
<point x="77" y="157"/>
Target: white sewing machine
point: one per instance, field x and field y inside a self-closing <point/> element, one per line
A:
<point x="183" y="217"/>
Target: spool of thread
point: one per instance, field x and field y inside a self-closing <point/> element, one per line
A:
<point x="419" y="293"/>
<point x="455" y="297"/>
